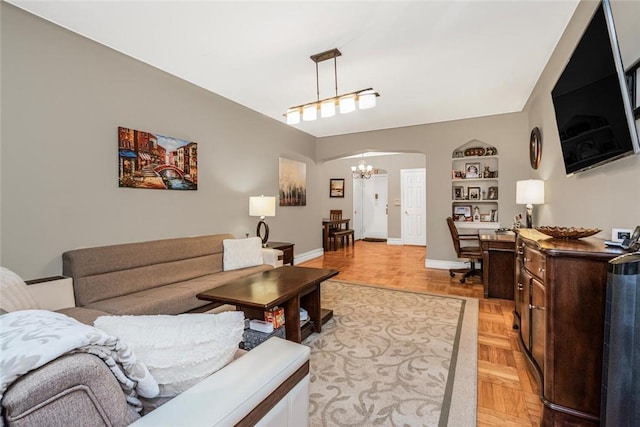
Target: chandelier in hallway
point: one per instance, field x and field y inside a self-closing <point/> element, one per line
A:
<point x="363" y="170"/>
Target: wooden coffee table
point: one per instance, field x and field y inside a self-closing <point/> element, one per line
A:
<point x="288" y="287"/>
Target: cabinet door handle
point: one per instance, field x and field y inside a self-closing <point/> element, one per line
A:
<point x="541" y="270"/>
<point x="527" y="259"/>
<point x="520" y="286"/>
<point x="536" y="307"/>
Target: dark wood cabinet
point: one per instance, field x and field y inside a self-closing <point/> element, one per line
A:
<point x="498" y="256"/>
<point x="286" y="248"/>
<point x="560" y="292"/>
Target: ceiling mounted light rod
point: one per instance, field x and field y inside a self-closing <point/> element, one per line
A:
<point x="365" y="98"/>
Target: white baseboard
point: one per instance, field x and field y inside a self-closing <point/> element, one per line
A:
<point x="306" y="256"/>
<point x="395" y="241"/>
<point x="444" y="265"/>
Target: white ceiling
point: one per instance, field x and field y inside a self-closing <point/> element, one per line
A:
<point x="431" y="61"/>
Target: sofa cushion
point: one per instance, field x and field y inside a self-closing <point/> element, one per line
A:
<point x="241" y="253"/>
<point x="176" y="298"/>
<point x="14" y="293"/>
<point x="181" y="350"/>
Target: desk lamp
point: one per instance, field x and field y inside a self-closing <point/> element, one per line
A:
<point x="530" y="192"/>
<point x="262" y="206"/>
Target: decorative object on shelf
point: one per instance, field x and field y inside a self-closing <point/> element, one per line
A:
<point x="476" y="214"/>
<point x="263" y="207"/>
<point x="363" y="170"/>
<point x="472" y="170"/>
<point x="458" y="154"/>
<point x="336" y="187"/>
<point x="462" y="212"/>
<point x="491" y="151"/>
<point x="568" y="232"/>
<point x="365" y="98"/>
<point x="474" y="193"/>
<point x="457" y="174"/>
<point x="145" y="160"/>
<point x="458" y="193"/>
<point x="530" y="192"/>
<point x="292" y="182"/>
<point x="535" y="147"/>
<point x="494" y="215"/>
<point x="485" y="217"/>
<point x="493" y="193"/>
<point x="474" y="151"/>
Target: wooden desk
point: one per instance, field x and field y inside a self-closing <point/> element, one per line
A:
<point x="326" y="223"/>
<point x="498" y="261"/>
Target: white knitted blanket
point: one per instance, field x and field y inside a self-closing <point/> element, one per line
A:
<point x="31" y="338"/>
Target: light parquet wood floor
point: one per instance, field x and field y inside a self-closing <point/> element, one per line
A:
<point x="507" y="393"/>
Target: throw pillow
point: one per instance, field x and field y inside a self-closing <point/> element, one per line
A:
<point x="14" y="294"/>
<point x="241" y="253"/>
<point x="180" y="350"/>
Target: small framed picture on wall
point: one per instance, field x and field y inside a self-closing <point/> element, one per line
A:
<point x="336" y="187"/>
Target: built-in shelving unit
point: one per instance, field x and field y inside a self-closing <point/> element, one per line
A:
<point x="474" y="185"/>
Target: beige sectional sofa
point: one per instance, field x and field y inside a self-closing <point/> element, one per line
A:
<point x="153" y="277"/>
<point x="267" y="386"/>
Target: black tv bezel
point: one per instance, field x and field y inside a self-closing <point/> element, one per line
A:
<point x="624" y="90"/>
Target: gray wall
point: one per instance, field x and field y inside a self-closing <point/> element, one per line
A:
<point x="606" y="197"/>
<point x="63" y="98"/>
<point x="509" y="133"/>
<point x="392" y="164"/>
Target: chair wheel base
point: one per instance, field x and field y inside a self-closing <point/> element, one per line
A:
<point x="451" y="274"/>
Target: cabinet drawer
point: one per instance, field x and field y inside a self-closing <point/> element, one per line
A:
<point x="534" y="262"/>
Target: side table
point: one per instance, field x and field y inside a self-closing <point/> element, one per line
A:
<point x="286" y="248"/>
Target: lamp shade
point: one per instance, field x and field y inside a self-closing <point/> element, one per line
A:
<point x="310" y="112"/>
<point x="530" y="192"/>
<point x="293" y="116"/>
<point x="366" y="99"/>
<point x="347" y="104"/>
<point x="328" y="108"/>
<point x="262" y="206"/>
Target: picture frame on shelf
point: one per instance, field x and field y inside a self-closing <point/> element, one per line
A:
<point x="336" y="187"/>
<point x="472" y="170"/>
<point x="474" y="193"/>
<point x="456" y="174"/>
<point x="462" y="210"/>
<point x="458" y="193"/>
<point x="492" y="193"/>
<point x="485" y="217"/>
<point x="494" y="215"/>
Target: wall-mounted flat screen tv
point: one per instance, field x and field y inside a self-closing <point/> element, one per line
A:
<point x="591" y="100"/>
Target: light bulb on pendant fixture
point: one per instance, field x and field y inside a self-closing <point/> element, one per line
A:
<point x="328" y="108"/>
<point x="347" y="104"/>
<point x="310" y="112"/>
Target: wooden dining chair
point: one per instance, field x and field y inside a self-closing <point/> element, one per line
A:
<point x="337" y="232"/>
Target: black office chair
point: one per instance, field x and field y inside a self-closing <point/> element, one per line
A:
<point x="472" y="252"/>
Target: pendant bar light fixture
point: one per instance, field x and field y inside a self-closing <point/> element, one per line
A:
<point x="346" y="103"/>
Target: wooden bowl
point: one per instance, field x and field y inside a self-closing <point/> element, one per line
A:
<point x="568" y="232"/>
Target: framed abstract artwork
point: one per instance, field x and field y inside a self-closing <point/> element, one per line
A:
<point x="292" y="182"/>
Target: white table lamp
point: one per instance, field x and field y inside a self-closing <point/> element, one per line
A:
<point x="530" y="192"/>
<point x="262" y="206"/>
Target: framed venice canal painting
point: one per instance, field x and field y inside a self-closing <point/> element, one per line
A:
<point x="149" y="160"/>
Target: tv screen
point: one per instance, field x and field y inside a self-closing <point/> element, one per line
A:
<point x="591" y="102"/>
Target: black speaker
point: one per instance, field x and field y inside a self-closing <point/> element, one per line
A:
<point x="621" y="359"/>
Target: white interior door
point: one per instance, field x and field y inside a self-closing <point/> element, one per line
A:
<point x="374" y="207"/>
<point x="356" y="223"/>
<point x="413" y="206"/>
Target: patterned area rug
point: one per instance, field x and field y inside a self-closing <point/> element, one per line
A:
<point x="394" y="358"/>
